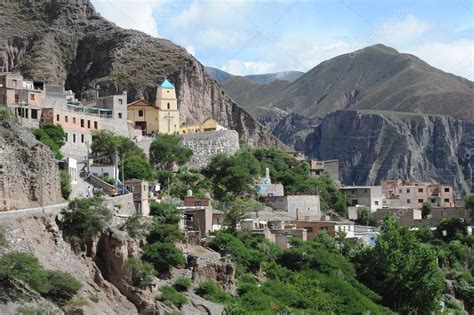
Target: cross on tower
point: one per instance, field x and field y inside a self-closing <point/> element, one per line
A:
<point x="169" y="117"/>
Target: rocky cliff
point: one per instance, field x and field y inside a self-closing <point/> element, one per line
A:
<point x="68" y="42"/>
<point x="373" y="147"/>
<point x="29" y="176"/>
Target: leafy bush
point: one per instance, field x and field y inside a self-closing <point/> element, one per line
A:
<point x="163" y="256"/>
<point x="3" y="239"/>
<point x="210" y="291"/>
<point x="170" y="295"/>
<point x="52" y="136"/>
<point x="105" y="178"/>
<point x="165" y="212"/>
<point x="65" y="182"/>
<point x="139" y="273"/>
<point x="135" y="227"/>
<point x="85" y="218"/>
<point x="138" y="167"/>
<point x="62" y="286"/>
<point x="182" y="284"/>
<point x="167" y="150"/>
<point x="56" y="285"/>
<point x="5" y="114"/>
<point x="165" y="233"/>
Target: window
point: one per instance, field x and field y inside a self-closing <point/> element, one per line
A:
<point x="420" y="200"/>
<point x="82" y="138"/>
<point x="95" y="124"/>
<point x="446" y="189"/>
<point x="433" y="200"/>
<point x="400" y="191"/>
<point x="82" y="123"/>
<point x="32" y="97"/>
<point x="14" y="83"/>
<point x="408" y="201"/>
<point x="89" y="124"/>
<point x="34" y="114"/>
<point x="408" y="190"/>
<point x="65" y="118"/>
<point x="120" y="115"/>
<point x="420" y="189"/>
<point x="65" y="136"/>
<point x="120" y="101"/>
<point x="140" y="113"/>
<point x="57" y="117"/>
<point x="376" y="203"/>
<point x="74" y="138"/>
<point x="73" y="120"/>
<point x="168" y="105"/>
<point x="446" y="200"/>
<point x="167" y="91"/>
<point x="309" y="229"/>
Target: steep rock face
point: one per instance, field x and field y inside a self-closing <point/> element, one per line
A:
<point x="29" y="176"/>
<point x="70" y="43"/>
<point x="372" y="147"/>
<point x="293" y="129"/>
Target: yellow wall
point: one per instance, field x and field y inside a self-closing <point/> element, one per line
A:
<point x="150" y="115"/>
<point x="209" y="124"/>
<point x="168" y="121"/>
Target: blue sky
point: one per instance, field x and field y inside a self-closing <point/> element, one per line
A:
<point x="249" y="37"/>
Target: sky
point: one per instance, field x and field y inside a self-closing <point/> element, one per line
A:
<point x="252" y="37"/>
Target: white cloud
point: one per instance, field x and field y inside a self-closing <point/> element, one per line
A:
<point x="137" y="15"/>
<point x="454" y="57"/>
<point x="398" y="30"/>
<point x="239" y="67"/>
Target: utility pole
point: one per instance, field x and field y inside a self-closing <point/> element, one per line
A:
<point x="115" y="169"/>
<point x="88" y="159"/>
<point x="123" y="175"/>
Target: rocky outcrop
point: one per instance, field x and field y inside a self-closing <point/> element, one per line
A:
<point x="373" y="147"/>
<point x="68" y="42"/>
<point x="29" y="176"/>
<point x="211" y="267"/>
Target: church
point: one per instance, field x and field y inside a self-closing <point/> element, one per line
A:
<point x="160" y="117"/>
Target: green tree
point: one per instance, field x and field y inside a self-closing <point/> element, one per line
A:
<point x="166" y="150"/>
<point x="52" y="136"/>
<point x="163" y="256"/>
<point x="236" y="210"/>
<point x="139" y="273"/>
<point x="426" y="210"/>
<point x="138" y="167"/>
<point x="233" y="175"/>
<point x="402" y="270"/>
<point x="449" y="228"/>
<point x="85" y="218"/>
<point x="65" y="182"/>
<point x="364" y="216"/>
<point x="469" y="203"/>
<point x="165" y="212"/>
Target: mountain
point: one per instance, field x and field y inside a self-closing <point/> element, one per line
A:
<point x="375" y="78"/>
<point x="68" y="42"/>
<point x="372" y="147"/>
<point x="221" y="76"/>
<point x="269" y="77"/>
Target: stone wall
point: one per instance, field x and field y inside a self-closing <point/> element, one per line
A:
<point x="29" y="176"/>
<point x="206" y="145"/>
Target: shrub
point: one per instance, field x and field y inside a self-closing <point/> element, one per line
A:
<point x="183" y="284"/>
<point x="163" y="256"/>
<point x="165" y="212"/>
<point x="58" y="286"/>
<point x="3" y="239"/>
<point x="65" y="182"/>
<point x="62" y="286"/>
<point x="165" y="233"/>
<point x="139" y="273"/>
<point x="170" y="295"/>
<point x="134" y="226"/>
<point x="6" y="114"/>
<point x="85" y="218"/>
<point x="210" y="291"/>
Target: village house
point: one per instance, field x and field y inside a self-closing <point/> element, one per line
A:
<point x="144" y="193"/>
<point x="330" y="166"/>
<point x="406" y="193"/>
<point x="264" y="186"/>
<point x="210" y="124"/>
<point x="370" y="197"/>
<point x="305" y="207"/>
<point x="405" y="215"/>
<point x="199" y="215"/>
<point x="276" y="231"/>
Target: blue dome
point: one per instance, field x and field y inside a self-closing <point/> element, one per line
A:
<point x="167" y="85"/>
